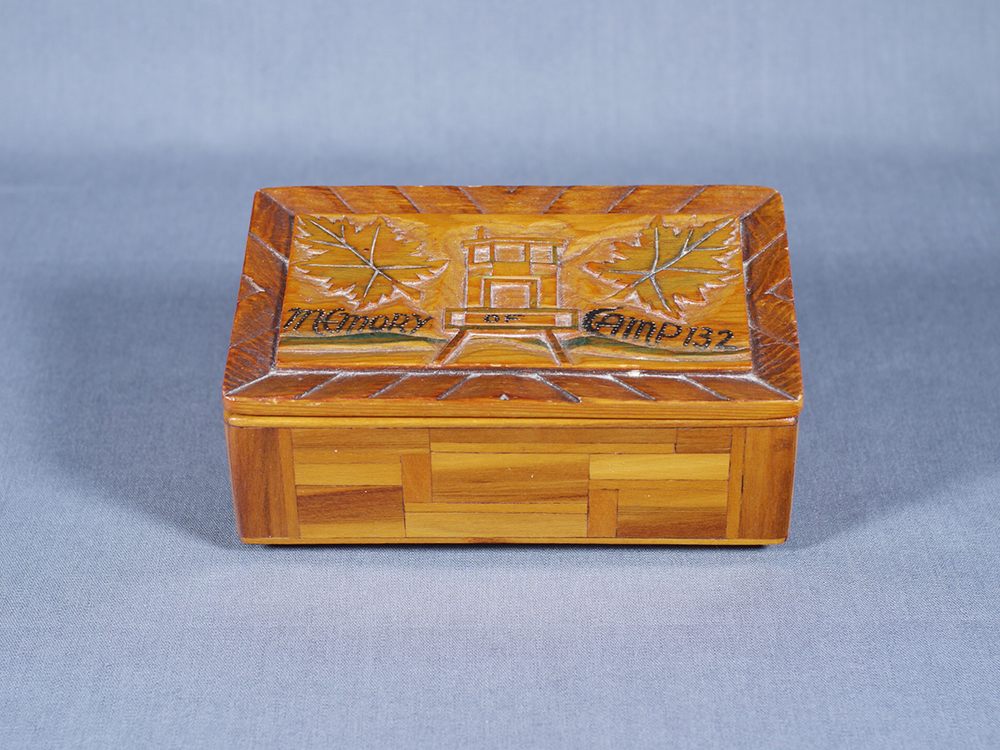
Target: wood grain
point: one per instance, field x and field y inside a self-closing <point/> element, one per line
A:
<point x="682" y="523"/>
<point x="357" y="511"/>
<point x="527" y="199"/>
<point x="588" y="448"/>
<point x="349" y="474"/>
<point x="271" y="224"/>
<point x="602" y="518"/>
<point x="505" y="388"/>
<point x="416" y="469"/>
<point x="486" y="526"/>
<point x="708" y="466"/>
<point x="576" y="507"/>
<point x="666" y="388"/>
<point x="768" y="475"/>
<point x="312" y="199"/>
<point x="704" y="439"/>
<point x="735" y="488"/>
<point x="374" y="199"/>
<point x="655" y="199"/>
<point x="288" y="482"/>
<point x="509" y="477"/>
<point x="381" y="440"/>
<point x="670" y="486"/>
<point x="258" y="485"/>
<point x="691" y="513"/>
<point x="589" y="387"/>
<point x="439" y="199"/>
<point x="653" y="436"/>
<point x="590" y="199"/>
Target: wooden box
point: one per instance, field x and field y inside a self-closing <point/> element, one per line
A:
<point x="533" y="364"/>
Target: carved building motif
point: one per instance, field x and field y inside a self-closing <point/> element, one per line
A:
<point x="464" y="291"/>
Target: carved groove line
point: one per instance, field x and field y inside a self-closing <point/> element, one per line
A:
<point x="572" y="397"/>
<point x="691" y="199"/>
<point x="472" y="200"/>
<point x="705" y="388"/>
<point x="627" y="194"/>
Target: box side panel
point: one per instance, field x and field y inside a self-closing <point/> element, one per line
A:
<point x="474" y="484"/>
<point x="768" y="474"/>
<point x="573" y="485"/>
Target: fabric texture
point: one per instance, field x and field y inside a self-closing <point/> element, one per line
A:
<point x="132" y="139"/>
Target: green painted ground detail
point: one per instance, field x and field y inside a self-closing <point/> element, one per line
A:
<point x="624" y="348"/>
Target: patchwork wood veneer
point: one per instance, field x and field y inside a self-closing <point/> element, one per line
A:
<point x="535" y="364"/>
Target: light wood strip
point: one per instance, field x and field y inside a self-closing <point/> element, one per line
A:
<point x="668" y="485"/>
<point x="508" y="477"/>
<point x="416" y="478"/>
<point x="288" y="481"/>
<point x="735" y="483"/>
<point x="258" y="487"/>
<point x="598" y="435"/>
<point x="665" y="466"/>
<point x="496" y="525"/>
<point x="360" y="439"/>
<point x="347" y="475"/>
<point x="628" y="448"/>
<point x="554" y="507"/>
<point x="337" y="456"/>
<point x="602" y="516"/>
<point x="688" y="499"/>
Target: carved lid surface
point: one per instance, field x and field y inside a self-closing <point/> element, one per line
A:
<point x="534" y="301"/>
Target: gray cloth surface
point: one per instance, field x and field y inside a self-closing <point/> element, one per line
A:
<point x="132" y="137"/>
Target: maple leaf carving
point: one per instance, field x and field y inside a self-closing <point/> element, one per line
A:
<point x="670" y="269"/>
<point x="368" y="265"/>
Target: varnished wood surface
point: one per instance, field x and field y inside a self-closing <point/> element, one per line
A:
<point x="518" y="450"/>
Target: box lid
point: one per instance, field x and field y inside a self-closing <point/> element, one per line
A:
<point x="666" y="302"/>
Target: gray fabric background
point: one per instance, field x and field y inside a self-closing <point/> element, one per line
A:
<point x="132" y="137"/>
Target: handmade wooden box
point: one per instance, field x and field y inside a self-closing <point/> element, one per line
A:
<point x="533" y="364"/>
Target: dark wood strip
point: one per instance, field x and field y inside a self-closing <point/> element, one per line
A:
<point x="258" y="487"/>
<point x="768" y="476"/>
